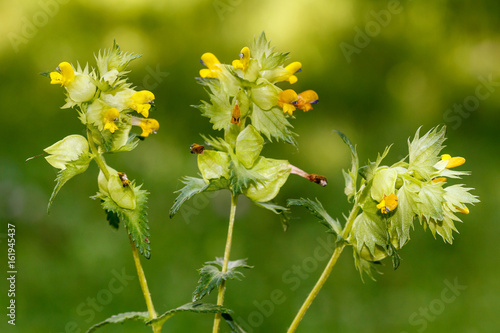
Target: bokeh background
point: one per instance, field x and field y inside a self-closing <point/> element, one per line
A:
<point x="381" y="68"/>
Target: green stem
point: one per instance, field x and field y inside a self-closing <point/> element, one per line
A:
<point x="227" y="252"/>
<point x="144" y="286"/>
<point x="140" y="272"/>
<point x="97" y="156"/>
<point x="326" y="272"/>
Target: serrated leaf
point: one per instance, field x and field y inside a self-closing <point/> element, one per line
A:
<point x="219" y="109"/>
<point x="402" y="220"/>
<point x="317" y="209"/>
<point x="273" y="124"/>
<point x="249" y="144"/>
<point x="235" y="328"/>
<point x="113" y="219"/>
<point x="365" y="266"/>
<point x="264" y="53"/>
<point x="189" y="307"/>
<point x="350" y="177"/>
<point x="283" y="212"/>
<point x="135" y="220"/>
<point x="72" y="169"/>
<point x="272" y="175"/>
<point x="192" y="186"/>
<point x="265" y="95"/>
<point x="120" y="319"/>
<point x="430" y="201"/>
<point x="369" y="233"/>
<point x="456" y="196"/>
<point x="445" y="227"/>
<point x="424" y="151"/>
<point x="213" y="164"/>
<point x="211" y="276"/>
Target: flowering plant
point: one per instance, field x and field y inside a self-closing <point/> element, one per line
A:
<point x="249" y="107"/>
<point x="387" y="200"/>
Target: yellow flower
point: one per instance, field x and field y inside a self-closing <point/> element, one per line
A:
<point x="464" y="210"/>
<point x="439" y="180"/>
<point x="242" y="63"/>
<point x="293" y="68"/>
<point x="388" y="203"/>
<point x="141" y="102"/>
<point x="287" y="100"/>
<point x="149" y="126"/>
<point x="110" y="116"/>
<point x="452" y="161"/>
<point x="64" y="74"/>
<point x="306" y="98"/>
<point x="211" y="61"/>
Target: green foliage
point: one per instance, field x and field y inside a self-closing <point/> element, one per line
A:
<point x="72" y="169"/>
<point x="135" y="219"/>
<point x="120" y="319"/>
<point x="211" y="276"/>
<point x="283" y="212"/>
<point x="317" y="210"/>
<point x="194" y="307"/>
<point x="351" y="176"/>
<point x="273" y="124"/>
<point x="264" y="53"/>
<point x="235" y="328"/>
<point x="424" y="151"/>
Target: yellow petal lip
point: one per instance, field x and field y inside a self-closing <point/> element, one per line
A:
<point x="306" y="98"/>
<point x="110" y="116"/>
<point x="294" y="67"/>
<point x="464" y="210"/>
<point x="287" y="100"/>
<point x="210" y="60"/>
<point x="141" y="102"/>
<point x="64" y="74"/>
<point x="452" y="161"/>
<point x="439" y="180"/>
<point x="388" y="203"/>
<point x="242" y="63"/>
<point x="148" y="126"/>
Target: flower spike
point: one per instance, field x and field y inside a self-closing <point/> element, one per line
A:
<point x="210" y="60"/>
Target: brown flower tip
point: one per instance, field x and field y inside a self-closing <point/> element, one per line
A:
<point x="196" y="148"/>
<point x="318" y="179"/>
<point x="235" y="115"/>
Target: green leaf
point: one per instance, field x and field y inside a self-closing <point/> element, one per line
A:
<point x="211" y="276"/>
<point x="424" y="152"/>
<point x="113" y="219"/>
<point x="72" y="169"/>
<point x="249" y="144"/>
<point x="189" y="307"/>
<point x="365" y="266"/>
<point x="271" y="175"/>
<point x="369" y="237"/>
<point x="317" y="209"/>
<point x="135" y="219"/>
<point x="445" y="227"/>
<point x="265" y="95"/>
<point x="273" y="124"/>
<point x="351" y="176"/>
<point x="121" y="318"/>
<point x="219" y="109"/>
<point x="235" y="328"/>
<point x="402" y="220"/>
<point x="430" y="201"/>
<point x="217" y="143"/>
<point x="283" y="212"/>
<point x="191" y="187"/>
<point x="456" y="196"/>
<point x="369" y="170"/>
<point x="263" y="51"/>
<point x="213" y="164"/>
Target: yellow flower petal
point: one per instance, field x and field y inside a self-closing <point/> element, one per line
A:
<point x="286" y="100"/>
<point x="293" y="68"/>
<point x="110" y="116"/>
<point x="210" y="60"/>
<point x="242" y="63"/>
<point x="452" y="161"/>
<point x="388" y="203"/>
<point x="141" y="102"/>
<point x="149" y="126"/>
<point x="306" y="98"/>
<point x="64" y="74"/>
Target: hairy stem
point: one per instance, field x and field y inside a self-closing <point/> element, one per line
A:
<point x="326" y="272"/>
<point x="227" y="252"/>
<point x="144" y="286"/>
<point x="140" y="272"/>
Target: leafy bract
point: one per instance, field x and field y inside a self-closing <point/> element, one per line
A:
<point x="273" y="124"/>
<point x="211" y="276"/>
<point x="120" y="319"/>
<point x="194" y="307"/>
<point x="424" y="151"/>
<point x="317" y="209"/>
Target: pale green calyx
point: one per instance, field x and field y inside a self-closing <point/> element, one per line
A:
<point x="67" y="150"/>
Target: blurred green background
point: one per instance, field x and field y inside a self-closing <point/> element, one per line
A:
<point x="381" y="69"/>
